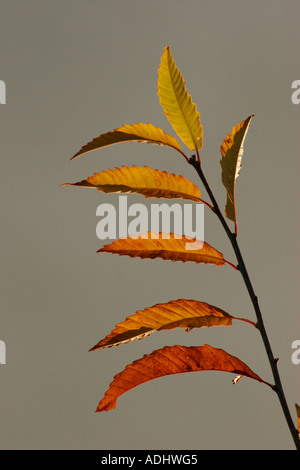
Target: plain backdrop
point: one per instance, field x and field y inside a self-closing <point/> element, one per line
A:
<point x="73" y="70"/>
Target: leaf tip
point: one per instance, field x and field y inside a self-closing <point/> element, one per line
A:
<point x="112" y="405"/>
<point x="74" y="156"/>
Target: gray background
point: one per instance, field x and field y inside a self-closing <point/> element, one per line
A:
<point x="74" y="69"/>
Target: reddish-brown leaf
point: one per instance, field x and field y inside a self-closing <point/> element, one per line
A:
<point x="181" y="313"/>
<point x="172" y="360"/>
<point x="172" y="247"/>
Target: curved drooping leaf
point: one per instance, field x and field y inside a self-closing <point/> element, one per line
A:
<point x="177" y="103"/>
<point x="131" y="133"/>
<point x="172" y="247"/>
<point x="172" y="360"/>
<point x="181" y="313"/>
<point x="232" y="151"/>
<point x="142" y="180"/>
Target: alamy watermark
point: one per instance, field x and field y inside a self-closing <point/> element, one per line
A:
<point x="296" y="354"/>
<point x="296" y="344"/>
<point x="2" y="343"/>
<point x="2" y="92"/>
<point x="2" y="352"/>
<point x="136" y="220"/>
<point x="296" y="94"/>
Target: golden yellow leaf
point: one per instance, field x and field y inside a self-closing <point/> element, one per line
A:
<point x="131" y="133"/>
<point x="142" y="180"/>
<point x="232" y="151"/>
<point x="181" y="313"/>
<point x="177" y="103"/>
<point x="172" y="360"/>
<point x="172" y="247"/>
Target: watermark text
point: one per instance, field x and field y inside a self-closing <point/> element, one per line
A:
<point x="296" y="353"/>
<point x="296" y="94"/>
<point x="2" y="92"/>
<point x="2" y="352"/>
<point x="136" y="220"/>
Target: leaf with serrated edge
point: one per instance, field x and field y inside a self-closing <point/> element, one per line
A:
<point x="172" y="360"/>
<point x="232" y="151"/>
<point x="131" y="133"/>
<point x="166" y="246"/>
<point x="142" y="180"/>
<point x="181" y="313"/>
<point x="177" y="103"/>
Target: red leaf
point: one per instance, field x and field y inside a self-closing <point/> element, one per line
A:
<point x="172" y="360"/>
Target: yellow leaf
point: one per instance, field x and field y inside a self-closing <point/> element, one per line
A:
<point x="166" y="246"/>
<point x="232" y="151"/>
<point x="145" y="181"/>
<point x="132" y="133"/>
<point x="181" y="313"/>
<point x="172" y="360"/>
<point x="177" y="104"/>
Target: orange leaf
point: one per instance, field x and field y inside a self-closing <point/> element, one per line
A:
<point x="172" y="247"/>
<point x="145" y="181"/>
<point x="131" y="133"/>
<point x="298" y="418"/>
<point x="172" y="360"/>
<point x="181" y="313"/>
